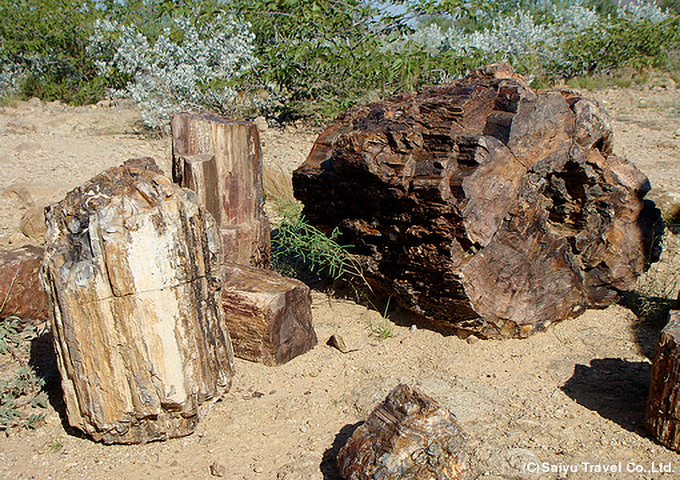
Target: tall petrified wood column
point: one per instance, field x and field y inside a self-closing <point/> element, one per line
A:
<point x="662" y="416"/>
<point x="221" y="160"/>
<point x="483" y="205"/>
<point x="131" y="268"/>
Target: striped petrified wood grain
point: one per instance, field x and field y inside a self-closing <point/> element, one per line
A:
<point x="132" y="271"/>
<point x="483" y="205"/>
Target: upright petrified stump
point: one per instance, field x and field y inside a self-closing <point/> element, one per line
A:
<point x="269" y="316"/>
<point x="662" y="416"/>
<point x="132" y="269"/>
<point x="221" y="160"/>
<point x="483" y="205"/>
<point x="408" y="436"/>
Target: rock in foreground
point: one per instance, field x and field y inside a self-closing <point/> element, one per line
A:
<point x="408" y="436"/>
<point x="132" y="270"/>
<point x="483" y="205"/>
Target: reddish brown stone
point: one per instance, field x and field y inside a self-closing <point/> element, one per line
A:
<point x="21" y="294"/>
<point x="409" y="436"/>
<point x="483" y="205"/>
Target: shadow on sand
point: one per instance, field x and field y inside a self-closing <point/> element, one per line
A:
<point x="614" y="388"/>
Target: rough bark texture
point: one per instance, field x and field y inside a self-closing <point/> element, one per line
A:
<point x="662" y="416"/>
<point x="131" y="268"/>
<point x="407" y="437"/>
<point x="269" y="316"/>
<point x="221" y="160"/>
<point x="21" y="294"/>
<point x="483" y="205"/>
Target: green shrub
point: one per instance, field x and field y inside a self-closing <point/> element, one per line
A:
<point x="43" y="42"/>
<point x="299" y="249"/>
<point x="21" y="393"/>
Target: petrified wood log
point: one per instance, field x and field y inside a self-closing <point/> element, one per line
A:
<point x="662" y="416"/>
<point x="269" y="316"/>
<point x="21" y="294"/>
<point x="407" y="436"/>
<point x="221" y="160"/>
<point x="132" y="268"/>
<point x="482" y="204"/>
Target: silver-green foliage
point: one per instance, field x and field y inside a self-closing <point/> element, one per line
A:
<point x="191" y="65"/>
<point x="22" y="392"/>
<point x="546" y="42"/>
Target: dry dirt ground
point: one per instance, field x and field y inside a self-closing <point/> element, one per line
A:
<point x="570" y="397"/>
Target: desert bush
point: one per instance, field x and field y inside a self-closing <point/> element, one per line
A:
<point x="189" y="66"/>
<point x="43" y="49"/>
<point x="310" y="59"/>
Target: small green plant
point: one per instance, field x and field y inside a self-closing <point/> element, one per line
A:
<point x="10" y="334"/>
<point x="18" y="396"/>
<point x="657" y="289"/>
<point x="297" y="247"/>
<point x="384" y="328"/>
<point x="23" y="392"/>
<point x="55" y="446"/>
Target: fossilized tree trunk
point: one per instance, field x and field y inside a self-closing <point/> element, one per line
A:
<point x="221" y="160"/>
<point x="132" y="269"/>
<point x="269" y="317"/>
<point x="482" y="204"/>
<point x="662" y="415"/>
<point x="409" y="436"/>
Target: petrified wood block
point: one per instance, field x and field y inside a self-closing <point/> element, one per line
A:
<point x="132" y="268"/>
<point x="21" y="294"/>
<point x="269" y="316"/>
<point x="409" y="436"/>
<point x="483" y="205"/>
<point x="221" y="160"/>
<point x="662" y="416"/>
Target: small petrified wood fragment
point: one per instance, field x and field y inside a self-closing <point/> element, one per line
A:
<point x="662" y="416"/>
<point x="21" y="294"/>
<point x="269" y="316"/>
<point x="221" y="160"/>
<point x="131" y="268"/>
<point x="409" y="436"/>
<point x="483" y="205"/>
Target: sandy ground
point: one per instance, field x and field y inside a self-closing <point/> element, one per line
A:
<point x="572" y="397"/>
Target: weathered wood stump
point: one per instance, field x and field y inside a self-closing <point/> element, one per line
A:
<point x="21" y="294"/>
<point x="407" y="436"/>
<point x="662" y="416"/>
<point x="483" y="205"/>
<point x="221" y="160"/>
<point x="269" y="316"/>
<point x="132" y="268"/>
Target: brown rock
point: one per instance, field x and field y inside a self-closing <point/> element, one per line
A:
<point x="409" y="436"/>
<point x="269" y="316"/>
<point x="221" y="160"/>
<point x="483" y="205"/>
<point x="132" y="267"/>
<point x="21" y="294"/>
<point x="662" y="415"/>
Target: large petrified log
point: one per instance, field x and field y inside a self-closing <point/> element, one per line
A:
<point x="131" y="268"/>
<point x="407" y="436"/>
<point x="269" y="316"/>
<point x="20" y="292"/>
<point x="482" y="204"/>
<point x="221" y="160"/>
<point x="662" y="416"/>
